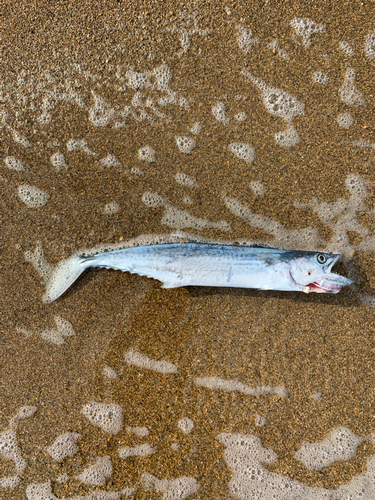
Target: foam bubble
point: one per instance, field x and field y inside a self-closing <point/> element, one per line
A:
<point x="217" y="383"/>
<point x="172" y="489"/>
<point x="245" y="457"/>
<point x="146" y="154"/>
<point x="367" y="300"/>
<point x="109" y="372"/>
<point x="181" y="219"/>
<point x="40" y="491"/>
<point x="317" y="395"/>
<point x="219" y="113"/>
<point x="32" y="196"/>
<point x="106" y="416"/>
<point x="369" y="47"/>
<point x="344" y="120"/>
<point x="240" y="117"/>
<point x="363" y="144"/>
<point x="320" y="77"/>
<point x="63" y="478"/>
<point x="43" y="491"/>
<point x="44" y="118"/>
<point x="100" y="114"/>
<point x="111" y="208"/>
<point x="185" y="144"/>
<point x="20" y="139"/>
<point x="13" y="163"/>
<point x="175" y="446"/>
<point x="23" y="412"/>
<point x="170" y="98"/>
<point x="23" y="331"/>
<point x="340" y="444"/>
<point x="98" y="473"/>
<point x="110" y="161"/>
<point x="9" y="482"/>
<point x="137" y="80"/>
<point x="259" y="420"/>
<point x="52" y="336"/>
<point x="79" y="145"/>
<point x="348" y="92"/>
<point x="305" y="28"/>
<point x="357" y="186"/>
<point x="64" y="327"/>
<point x="284" y="238"/>
<point x="195" y="129"/>
<point x="143" y="450"/>
<point x="153" y="199"/>
<point x="183" y="102"/>
<point x="137" y="171"/>
<point x="185" y="34"/>
<point x="185" y="425"/>
<point x="58" y="161"/>
<point x="188" y="200"/>
<point x="185" y="180"/>
<point x="143" y="106"/>
<point x="287" y="138"/>
<point x="258" y="188"/>
<point x="243" y="151"/>
<point x="361" y="486"/>
<point x="9" y="449"/>
<point x="39" y="262"/>
<point x="341" y="217"/>
<point x="63" y="446"/>
<point x="3" y="118"/>
<point x="138" y="431"/>
<point x="277" y="102"/>
<point x="141" y="361"/>
<point x="162" y="75"/>
<point x="346" y="48"/>
<point x="276" y="49"/>
<point x="245" y="40"/>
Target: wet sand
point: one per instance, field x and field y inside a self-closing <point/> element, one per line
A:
<point x="56" y="62"/>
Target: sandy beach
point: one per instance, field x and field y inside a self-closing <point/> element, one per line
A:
<point x="125" y="123"/>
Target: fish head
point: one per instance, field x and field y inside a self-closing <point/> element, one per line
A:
<point x="313" y="273"/>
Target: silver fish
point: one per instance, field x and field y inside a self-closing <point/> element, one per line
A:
<point x="201" y="264"/>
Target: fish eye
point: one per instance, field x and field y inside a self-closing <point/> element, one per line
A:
<point x="321" y="258"/>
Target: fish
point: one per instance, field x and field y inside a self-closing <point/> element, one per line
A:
<point x="206" y="264"/>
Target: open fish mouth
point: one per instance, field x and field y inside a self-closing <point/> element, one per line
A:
<point x="332" y="283"/>
<point x="327" y="282"/>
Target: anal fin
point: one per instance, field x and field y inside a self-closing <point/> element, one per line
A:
<point x="172" y="284"/>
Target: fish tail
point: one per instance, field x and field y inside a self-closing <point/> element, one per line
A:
<point x="64" y="275"/>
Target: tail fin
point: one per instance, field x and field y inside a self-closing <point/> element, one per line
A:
<point x="64" y="275"/>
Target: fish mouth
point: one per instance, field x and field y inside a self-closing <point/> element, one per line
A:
<point x="330" y="282"/>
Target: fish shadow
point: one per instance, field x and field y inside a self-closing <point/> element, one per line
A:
<point x="345" y="298"/>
